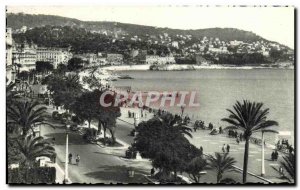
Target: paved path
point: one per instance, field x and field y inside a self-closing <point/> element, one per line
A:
<point x="106" y="165"/>
<point x="97" y="165"/>
<point x="214" y="143"/>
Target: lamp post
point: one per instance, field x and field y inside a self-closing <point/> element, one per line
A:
<point x="263" y="150"/>
<point x="66" y="178"/>
<point x="262" y="154"/>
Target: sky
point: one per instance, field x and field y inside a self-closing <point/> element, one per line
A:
<point x="272" y="23"/>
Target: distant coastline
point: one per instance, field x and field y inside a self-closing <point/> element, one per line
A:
<point x="177" y="67"/>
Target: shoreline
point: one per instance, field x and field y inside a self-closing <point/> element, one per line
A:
<point x="177" y="67"/>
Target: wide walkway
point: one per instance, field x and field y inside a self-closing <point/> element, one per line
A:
<point x="101" y="164"/>
<point x="212" y="144"/>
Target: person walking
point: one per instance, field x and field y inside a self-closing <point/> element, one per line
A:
<point x="273" y="156"/>
<point x="276" y="155"/>
<point x="238" y="140"/>
<point x="228" y="148"/>
<point x="224" y="148"/>
<point x="152" y="172"/>
<point x="77" y="160"/>
<point x="281" y="171"/>
<point x="70" y="158"/>
<point x="201" y="150"/>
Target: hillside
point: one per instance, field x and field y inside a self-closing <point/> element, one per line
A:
<point x="16" y="21"/>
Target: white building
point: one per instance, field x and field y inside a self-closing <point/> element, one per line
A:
<point x="175" y="44"/>
<point x="235" y="43"/>
<point x="155" y="59"/>
<point x="55" y="56"/>
<point x="10" y="72"/>
<point x="115" y="59"/>
<point x="24" y="55"/>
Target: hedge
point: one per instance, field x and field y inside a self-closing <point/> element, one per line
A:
<point x="32" y="175"/>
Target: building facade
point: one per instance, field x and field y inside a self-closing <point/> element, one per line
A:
<point x="158" y="60"/>
<point x="115" y="59"/>
<point x="55" y="56"/>
<point x="10" y="71"/>
<point x="24" y="56"/>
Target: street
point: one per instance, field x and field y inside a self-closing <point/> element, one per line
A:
<point x="100" y="164"/>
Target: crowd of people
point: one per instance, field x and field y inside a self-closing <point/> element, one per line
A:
<point x="77" y="159"/>
<point x="285" y="146"/>
<point x="226" y="148"/>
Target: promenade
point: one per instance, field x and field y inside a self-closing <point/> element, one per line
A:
<point x="212" y="144"/>
<point x="101" y="164"/>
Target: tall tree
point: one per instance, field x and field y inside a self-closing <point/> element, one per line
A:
<point x="75" y="64"/>
<point x="23" y="75"/>
<point x="221" y="163"/>
<point x="25" y="115"/>
<point x="44" y="67"/>
<point x="31" y="148"/>
<point x="165" y="144"/>
<point x="250" y="118"/>
<point x="85" y="106"/>
<point x="64" y="90"/>
<point x="108" y="115"/>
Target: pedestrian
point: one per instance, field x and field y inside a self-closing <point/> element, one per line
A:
<point x="77" y="159"/>
<point x="70" y="158"/>
<point x="220" y="130"/>
<point x="201" y="150"/>
<point x="237" y="140"/>
<point x="276" y="155"/>
<point x="53" y="140"/>
<point x="152" y="172"/>
<point x="273" y="156"/>
<point x="223" y="148"/>
<point x="228" y="148"/>
<point x="145" y="114"/>
<point x="281" y="171"/>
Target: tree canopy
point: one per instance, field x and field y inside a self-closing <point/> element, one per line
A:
<point x="75" y="64"/>
<point x="43" y="67"/>
<point x="163" y="140"/>
<point x="64" y="89"/>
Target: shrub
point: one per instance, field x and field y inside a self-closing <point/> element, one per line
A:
<point x="76" y="119"/>
<point x="32" y="175"/>
<point x="90" y="134"/>
<point x="55" y="115"/>
<point x="131" y="153"/>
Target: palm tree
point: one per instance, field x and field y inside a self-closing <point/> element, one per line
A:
<point x="250" y="118"/>
<point x="195" y="167"/>
<point x="288" y="164"/>
<point x="31" y="148"/>
<point x="221" y="163"/>
<point x="25" y="115"/>
<point x="176" y="123"/>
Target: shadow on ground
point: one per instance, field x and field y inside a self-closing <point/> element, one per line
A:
<point x="118" y="174"/>
<point x="60" y="138"/>
<point x="110" y="154"/>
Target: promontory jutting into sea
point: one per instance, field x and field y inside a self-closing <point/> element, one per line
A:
<point x="121" y="99"/>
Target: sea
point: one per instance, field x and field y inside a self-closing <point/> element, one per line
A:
<point x="219" y="89"/>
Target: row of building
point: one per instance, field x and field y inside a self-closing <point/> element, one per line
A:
<point x="26" y="55"/>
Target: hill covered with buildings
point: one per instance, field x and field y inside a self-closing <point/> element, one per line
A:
<point x="57" y="39"/>
<point x="17" y="21"/>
